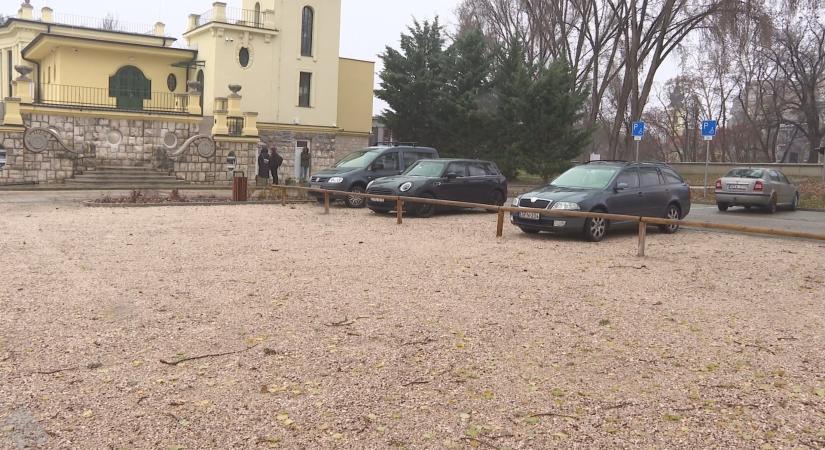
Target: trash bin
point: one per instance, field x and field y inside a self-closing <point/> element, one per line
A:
<point x="239" y="187"/>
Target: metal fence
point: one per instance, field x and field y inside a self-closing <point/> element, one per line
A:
<point x="101" y="98"/>
<point x="242" y="17"/>
<point x="109" y="23"/>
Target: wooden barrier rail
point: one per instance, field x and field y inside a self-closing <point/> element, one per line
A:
<point x="643" y="222"/>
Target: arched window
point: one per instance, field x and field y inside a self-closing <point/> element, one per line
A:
<point x="130" y="88"/>
<point x="307" y="25"/>
<point x="257" y="14"/>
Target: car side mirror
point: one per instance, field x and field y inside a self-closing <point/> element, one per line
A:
<point x="452" y="176"/>
<point x="622" y="186"/>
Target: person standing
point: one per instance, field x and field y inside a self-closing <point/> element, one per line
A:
<point x="275" y="162"/>
<point x="306" y="161"/>
<point x="263" y="165"/>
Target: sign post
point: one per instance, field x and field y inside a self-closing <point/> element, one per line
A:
<point x="639" y="129"/>
<point x="708" y="132"/>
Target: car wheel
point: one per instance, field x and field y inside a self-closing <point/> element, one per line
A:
<point x="722" y="206"/>
<point x="773" y="205"/>
<point x="673" y="213"/>
<point x="425" y="210"/>
<point x="795" y="203"/>
<point x="529" y="230"/>
<point x="595" y="229"/>
<point x="356" y="201"/>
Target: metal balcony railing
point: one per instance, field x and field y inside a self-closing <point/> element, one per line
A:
<point x="235" y="125"/>
<point x="109" y="23"/>
<point x="105" y="99"/>
<point x="242" y="17"/>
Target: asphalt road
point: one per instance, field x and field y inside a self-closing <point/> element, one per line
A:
<point x="802" y="221"/>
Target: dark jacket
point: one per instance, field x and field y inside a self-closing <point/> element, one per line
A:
<point x="275" y="161"/>
<point x="263" y="165"/>
<point x="305" y="157"/>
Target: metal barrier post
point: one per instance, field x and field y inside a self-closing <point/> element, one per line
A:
<point x="642" y="237"/>
<point x="399" y="206"/>
<point x="326" y="202"/>
<point x="500" y="226"/>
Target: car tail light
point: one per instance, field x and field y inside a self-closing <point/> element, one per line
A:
<point x="718" y="185"/>
<point x="759" y="186"/>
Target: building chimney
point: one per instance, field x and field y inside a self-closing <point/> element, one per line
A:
<point x="160" y="29"/>
<point x="26" y="11"/>
<point x="47" y="14"/>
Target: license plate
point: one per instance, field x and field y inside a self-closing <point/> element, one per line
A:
<point x="530" y="216"/>
<point x="377" y="200"/>
<point x="737" y="187"/>
<point x="315" y="186"/>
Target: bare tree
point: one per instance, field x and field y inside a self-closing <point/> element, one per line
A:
<point x="799" y="55"/>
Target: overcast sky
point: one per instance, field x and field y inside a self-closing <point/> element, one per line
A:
<point x="367" y="26"/>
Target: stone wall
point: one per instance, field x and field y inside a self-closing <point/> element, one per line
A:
<point x="346" y="144"/>
<point x="22" y="166"/>
<point x="195" y="168"/>
<point x="322" y="149"/>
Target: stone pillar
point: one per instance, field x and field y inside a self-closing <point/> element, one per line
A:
<point x="23" y="89"/>
<point x="219" y="12"/>
<point x="46" y="14"/>
<point x="193" y="107"/>
<point x="26" y="11"/>
<point x="221" y="127"/>
<point x="233" y="105"/>
<point x="12" y="115"/>
<point x="160" y="29"/>
<point x="194" y="20"/>
<point x="250" y="124"/>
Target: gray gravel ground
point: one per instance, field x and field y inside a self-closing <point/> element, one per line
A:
<point x="353" y="332"/>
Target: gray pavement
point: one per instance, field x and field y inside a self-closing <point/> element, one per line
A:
<point x="801" y="221"/>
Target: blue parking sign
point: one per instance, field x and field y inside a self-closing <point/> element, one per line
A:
<point x="709" y="128"/>
<point x="639" y="129"/>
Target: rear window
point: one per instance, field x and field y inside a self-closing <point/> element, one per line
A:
<point x="746" y="173"/>
<point x="672" y="177"/>
<point x="479" y="169"/>
<point x="649" y="176"/>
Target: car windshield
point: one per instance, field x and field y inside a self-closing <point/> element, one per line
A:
<point x="586" y="177"/>
<point x="745" y="173"/>
<point x="430" y="169"/>
<point x="358" y="160"/>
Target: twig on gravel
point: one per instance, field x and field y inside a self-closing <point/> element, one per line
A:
<point x="619" y="406"/>
<point x="425" y="341"/>
<point x="415" y="383"/>
<point x="628" y="267"/>
<point x="479" y="441"/>
<point x="789" y="338"/>
<point x="552" y="414"/>
<point x="755" y="346"/>
<point x="52" y="372"/>
<point x="216" y="355"/>
<point x="346" y="322"/>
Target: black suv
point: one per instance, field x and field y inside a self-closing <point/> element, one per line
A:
<point x="647" y="189"/>
<point x="358" y="169"/>
<point x="461" y="180"/>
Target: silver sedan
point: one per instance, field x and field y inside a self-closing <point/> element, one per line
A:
<point x="756" y="186"/>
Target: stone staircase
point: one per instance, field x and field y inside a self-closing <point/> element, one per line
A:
<point x="125" y="178"/>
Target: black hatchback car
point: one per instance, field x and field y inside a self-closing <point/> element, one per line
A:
<point x="462" y="180"/>
<point x="359" y="168"/>
<point x="615" y="187"/>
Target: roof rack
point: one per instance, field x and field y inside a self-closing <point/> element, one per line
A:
<point x="397" y="144"/>
<point x="607" y="161"/>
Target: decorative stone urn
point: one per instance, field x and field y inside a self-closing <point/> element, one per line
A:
<point x="194" y="86"/>
<point x="23" y="70"/>
<point x="235" y="88"/>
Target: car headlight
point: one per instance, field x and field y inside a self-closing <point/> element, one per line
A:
<point x="516" y="202"/>
<point x="336" y="180"/>
<point x="566" y="206"/>
<point x="406" y="187"/>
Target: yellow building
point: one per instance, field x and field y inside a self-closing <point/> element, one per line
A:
<point x="282" y="55"/>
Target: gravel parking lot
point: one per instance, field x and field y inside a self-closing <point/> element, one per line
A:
<point x="348" y="331"/>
